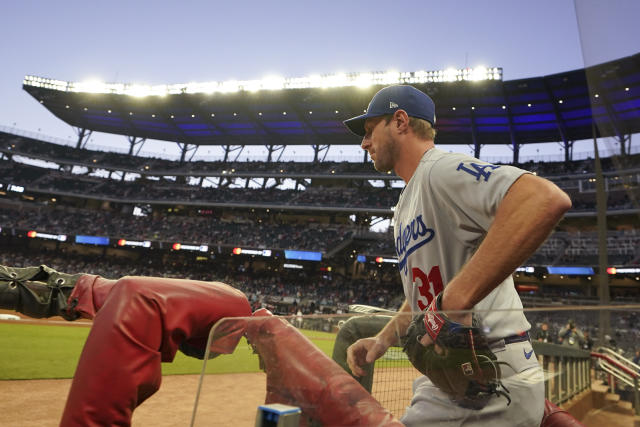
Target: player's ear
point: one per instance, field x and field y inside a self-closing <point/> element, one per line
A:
<point x="401" y="121"/>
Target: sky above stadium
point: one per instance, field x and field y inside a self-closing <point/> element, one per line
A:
<point x="178" y="42"/>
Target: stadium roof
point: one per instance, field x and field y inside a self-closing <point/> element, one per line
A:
<point x="554" y="108"/>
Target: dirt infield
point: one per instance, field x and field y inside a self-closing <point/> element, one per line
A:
<point x="392" y="387"/>
<point x="226" y="399"/>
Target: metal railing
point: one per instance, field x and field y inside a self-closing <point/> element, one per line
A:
<point x="567" y="370"/>
<point x="620" y="369"/>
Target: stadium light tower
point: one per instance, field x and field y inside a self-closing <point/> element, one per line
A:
<point x="272" y="82"/>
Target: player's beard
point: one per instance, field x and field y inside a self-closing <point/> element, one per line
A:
<point x="385" y="156"/>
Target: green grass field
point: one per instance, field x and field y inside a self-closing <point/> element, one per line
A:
<point x="52" y="351"/>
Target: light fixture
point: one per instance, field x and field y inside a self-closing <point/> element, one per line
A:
<point x="363" y="80"/>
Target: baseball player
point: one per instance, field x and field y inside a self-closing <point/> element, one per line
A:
<point x="461" y="228"/>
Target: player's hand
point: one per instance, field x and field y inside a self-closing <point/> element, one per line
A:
<point x="363" y="352"/>
<point x="465" y="318"/>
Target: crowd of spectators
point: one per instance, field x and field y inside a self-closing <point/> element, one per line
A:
<point x="623" y="188"/>
<point x="284" y="291"/>
<point x="53" y="181"/>
<point x="243" y="232"/>
<point x="57" y="182"/>
<point x="268" y="232"/>
<point x="579" y="329"/>
<point x="581" y="248"/>
<point x="581" y="167"/>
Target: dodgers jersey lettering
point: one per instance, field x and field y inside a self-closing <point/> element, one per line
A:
<point x="442" y="216"/>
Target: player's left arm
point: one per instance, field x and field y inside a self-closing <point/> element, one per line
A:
<point x="524" y="219"/>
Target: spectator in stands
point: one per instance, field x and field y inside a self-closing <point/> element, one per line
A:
<point x="544" y="334"/>
<point x="570" y="335"/>
<point x="636" y="358"/>
<point x="610" y="342"/>
<point x="588" y="342"/>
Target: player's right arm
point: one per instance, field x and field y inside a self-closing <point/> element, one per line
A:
<point x="368" y="350"/>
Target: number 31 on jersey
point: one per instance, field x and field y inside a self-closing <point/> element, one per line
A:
<point x="428" y="285"/>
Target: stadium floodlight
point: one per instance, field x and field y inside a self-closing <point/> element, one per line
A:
<point x="272" y="83"/>
<point x="362" y="80"/>
<point x="90" y="86"/>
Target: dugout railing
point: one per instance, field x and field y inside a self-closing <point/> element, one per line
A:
<point x="567" y="370"/>
<point x="622" y="373"/>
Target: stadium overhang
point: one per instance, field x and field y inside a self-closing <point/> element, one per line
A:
<point x="555" y="108"/>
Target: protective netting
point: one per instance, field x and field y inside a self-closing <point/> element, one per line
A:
<point x="302" y="368"/>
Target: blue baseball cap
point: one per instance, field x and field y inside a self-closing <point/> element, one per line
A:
<point x="391" y="98"/>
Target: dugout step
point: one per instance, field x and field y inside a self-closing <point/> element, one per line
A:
<point x="610" y="417"/>
<point x="611" y="398"/>
<point x="599" y="392"/>
<point x="621" y="407"/>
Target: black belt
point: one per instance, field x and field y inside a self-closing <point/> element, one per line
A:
<point x="511" y="339"/>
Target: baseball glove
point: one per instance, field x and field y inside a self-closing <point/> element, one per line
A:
<point x="461" y="364"/>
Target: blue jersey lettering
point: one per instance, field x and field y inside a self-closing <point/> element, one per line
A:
<point x="478" y="171"/>
<point x="410" y="238"/>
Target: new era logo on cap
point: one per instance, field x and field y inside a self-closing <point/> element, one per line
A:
<point x="391" y="98"/>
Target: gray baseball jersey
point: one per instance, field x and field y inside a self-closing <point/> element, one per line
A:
<point x="442" y="216"/>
